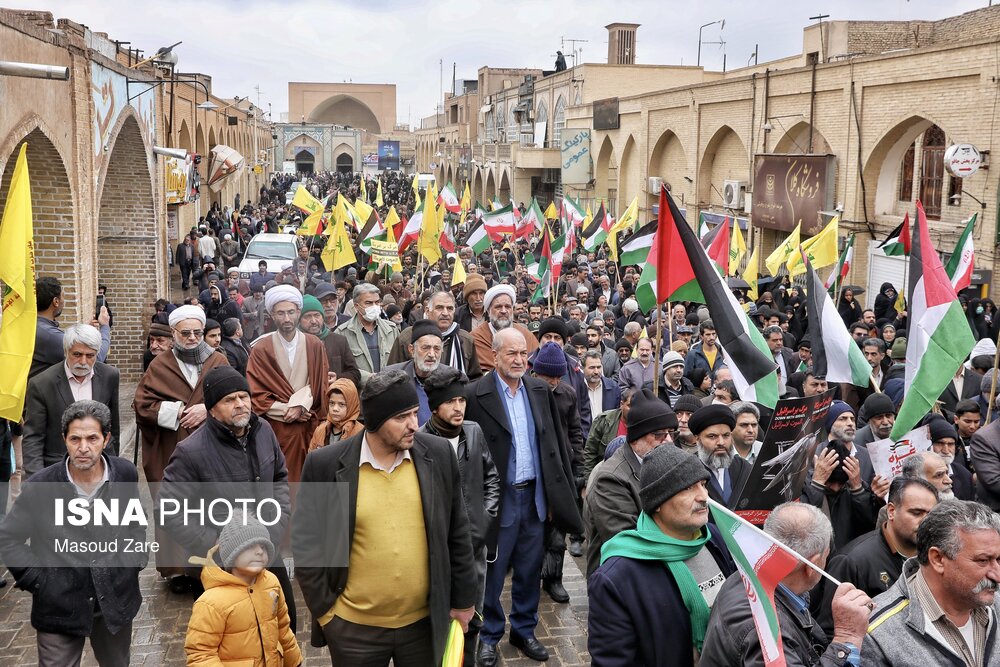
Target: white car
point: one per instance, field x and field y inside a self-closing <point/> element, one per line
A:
<point x="277" y="250"/>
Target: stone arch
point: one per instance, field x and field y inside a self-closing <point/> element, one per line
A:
<point x="127" y="243"/>
<point x="669" y="163"/>
<point x="882" y="165"/>
<point x="725" y="158"/>
<point x="346" y="110"/>
<point x="628" y="174"/>
<point x="542" y="116"/>
<point x="477" y="186"/>
<point x="52" y="205"/>
<point x="504" y="190"/>
<point x="606" y="171"/>
<point x="340" y="162"/>
<point x="212" y="143"/>
<point x="796" y="141"/>
<point x="558" y="121"/>
<point x="489" y="192"/>
<point x="184" y="137"/>
<point x="308" y="144"/>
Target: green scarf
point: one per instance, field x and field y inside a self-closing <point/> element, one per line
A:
<point x="647" y="542"/>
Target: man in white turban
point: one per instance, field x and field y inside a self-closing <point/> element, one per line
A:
<point x="499" y="306"/>
<point x="287" y="372"/>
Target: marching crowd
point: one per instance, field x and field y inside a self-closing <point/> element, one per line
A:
<point x="481" y="434"/>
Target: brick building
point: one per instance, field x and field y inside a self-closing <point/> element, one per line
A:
<point x="884" y="99"/>
<point x="98" y="188"/>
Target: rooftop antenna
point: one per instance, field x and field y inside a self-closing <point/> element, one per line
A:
<point x="574" y="52"/>
<point x="822" y="44"/>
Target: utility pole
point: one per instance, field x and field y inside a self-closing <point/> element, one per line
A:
<point x="573" y="50"/>
<point x="822" y="41"/>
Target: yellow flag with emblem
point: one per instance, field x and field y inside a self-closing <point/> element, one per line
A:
<point x="458" y="273"/>
<point x="551" y="213"/>
<point x="391" y="218"/>
<point x="466" y="202"/>
<point x="310" y="225"/>
<point x="363" y="209"/>
<point x="783" y="251"/>
<point x="415" y="185"/>
<point x="378" y="195"/>
<point x="338" y="252"/>
<point x="429" y="244"/>
<point x="750" y="274"/>
<point x="822" y="249"/>
<point x="364" y="190"/>
<point x="305" y="201"/>
<point x="737" y="249"/>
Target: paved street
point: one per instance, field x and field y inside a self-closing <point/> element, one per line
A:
<point x="159" y="628"/>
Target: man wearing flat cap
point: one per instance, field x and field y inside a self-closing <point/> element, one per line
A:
<point x="712" y="427"/>
<point x="411" y="568"/>
<point x="499" y="307"/>
<point x="652" y="595"/>
<point x="287" y="372"/>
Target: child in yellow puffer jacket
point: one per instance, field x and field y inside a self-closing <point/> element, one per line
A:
<point x="241" y="620"/>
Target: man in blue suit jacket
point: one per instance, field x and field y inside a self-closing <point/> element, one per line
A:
<point x="604" y="394"/>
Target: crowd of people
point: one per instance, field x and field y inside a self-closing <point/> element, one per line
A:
<point x="481" y="434"/>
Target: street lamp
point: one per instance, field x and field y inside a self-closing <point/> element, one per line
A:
<point x="956" y="199"/>
<point x="722" y="27"/>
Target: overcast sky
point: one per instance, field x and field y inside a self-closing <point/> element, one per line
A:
<point x="266" y="43"/>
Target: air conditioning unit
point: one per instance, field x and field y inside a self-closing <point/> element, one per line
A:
<point x="733" y="193"/>
<point x="655" y="183"/>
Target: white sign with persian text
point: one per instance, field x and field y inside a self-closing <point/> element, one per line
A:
<point x="575" y="156"/>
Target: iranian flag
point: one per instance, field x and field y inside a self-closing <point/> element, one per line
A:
<point x="959" y="267"/>
<point x="636" y="249"/>
<point x="835" y="354"/>
<point x="532" y="219"/>
<point x="478" y="238"/>
<point x="572" y="212"/>
<point x="843" y="266"/>
<point x="898" y="241"/>
<point x="449" y="199"/>
<point x="762" y="563"/>
<point x="411" y="230"/>
<point x="939" y="336"/>
<point x="500" y="221"/>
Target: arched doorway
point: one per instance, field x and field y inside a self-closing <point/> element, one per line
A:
<point x="606" y="172"/>
<point x="628" y="176"/>
<point x="346" y="110"/>
<point x="127" y="244"/>
<point x="669" y="164"/>
<point x="52" y="216"/>
<point x="304" y="161"/>
<point x="504" y="193"/>
<point x="725" y="159"/>
<point x="345" y="163"/>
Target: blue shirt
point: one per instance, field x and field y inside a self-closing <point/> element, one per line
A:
<point x="522" y="428"/>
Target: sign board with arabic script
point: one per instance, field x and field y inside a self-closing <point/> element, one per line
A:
<point x="575" y="156"/>
<point x="789" y="189"/>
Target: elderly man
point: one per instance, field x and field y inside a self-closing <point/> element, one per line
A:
<point x="472" y="313"/>
<point x="943" y="609"/>
<point x="674" y="384"/>
<point x="159" y="340"/>
<point x="651" y="596"/>
<point x="338" y="352"/>
<point x="881" y="415"/>
<point x="459" y="350"/>
<point x="943" y="443"/>
<point x="931" y="468"/>
<point x="640" y="372"/>
<point x="410" y="567"/>
<point x="554" y="330"/>
<point x="80" y="378"/>
<point x="73" y="598"/>
<point x="425" y="357"/>
<point x="518" y="415"/>
<point x="602" y="393"/>
<point x="368" y="333"/>
<point x="613" y="500"/>
<point x="329" y="298"/>
<point x="712" y="427"/>
<point x="499" y="307"/>
<point x="288" y="376"/>
<point x="732" y="638"/>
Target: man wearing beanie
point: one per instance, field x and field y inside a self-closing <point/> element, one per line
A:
<point x="944" y="439"/>
<point x="459" y="350"/>
<point x="445" y="389"/>
<point x="408" y="524"/>
<point x="338" y="351"/>
<point x="499" y="307"/>
<point x="288" y="375"/>
<point x="612" y="503"/>
<point x="686" y="406"/>
<point x="674" y="383"/>
<point x="233" y="446"/>
<point x="518" y="415"/>
<point x="425" y="358"/>
<point x="880" y="413"/>
<point x="671" y="562"/>
<point x="554" y="330"/>
<point x="843" y="479"/>
<point x="471" y="313"/>
<point x="712" y="427"/>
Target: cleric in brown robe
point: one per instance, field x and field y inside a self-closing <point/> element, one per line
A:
<point x="169" y="405"/>
<point x="287" y="372"/>
<point x="499" y="306"/>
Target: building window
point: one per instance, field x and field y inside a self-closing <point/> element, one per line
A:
<point x="932" y="172"/>
<point x="512" y="126"/>
<point x="542" y="116"/>
<point x="558" y="122"/>
<point x="501" y="117"/>
<point x="490" y="128"/>
<point x="906" y="174"/>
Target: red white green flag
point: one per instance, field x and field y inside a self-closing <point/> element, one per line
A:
<point x="898" y="241"/>
<point x="959" y="267"/>
<point x="449" y="199"/>
<point x="843" y="266"/>
<point x="762" y="564"/>
<point x="716" y="242"/>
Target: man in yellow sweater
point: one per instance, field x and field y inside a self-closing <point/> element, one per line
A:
<point x="410" y="567"/>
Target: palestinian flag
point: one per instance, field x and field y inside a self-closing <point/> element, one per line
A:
<point x="449" y="199"/>
<point x="478" y="238"/>
<point x="959" y="267"/>
<point x="531" y="267"/>
<point x="549" y="264"/>
<point x="685" y="272"/>
<point x="500" y="221"/>
<point x="703" y="230"/>
<point x="843" y="265"/>
<point x="939" y="338"/>
<point x="597" y="231"/>
<point x="835" y="354"/>
<point x="762" y="564"/>
<point x="898" y="241"/>
<point x="372" y="229"/>
<point x="716" y="242"/>
<point x="636" y="249"/>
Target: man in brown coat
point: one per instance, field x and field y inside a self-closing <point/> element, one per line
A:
<point x="499" y="305"/>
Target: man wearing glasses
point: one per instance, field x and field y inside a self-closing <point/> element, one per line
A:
<point x="612" y="503"/>
<point x="169" y="405"/>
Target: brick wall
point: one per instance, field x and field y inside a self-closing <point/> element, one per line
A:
<point x="126" y="248"/>
<point x="52" y="214"/>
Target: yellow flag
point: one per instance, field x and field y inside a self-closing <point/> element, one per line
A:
<point x="629" y="217"/>
<point x="310" y="225"/>
<point x="305" y="201"/>
<point x="363" y="209"/>
<point x="551" y="213"/>
<point x="416" y="190"/>
<point x="378" y="195"/>
<point x="737" y="249"/>
<point x="20" y="311"/>
<point x="391" y="218"/>
<point x="750" y="274"/>
<point x="338" y="252"/>
<point x="821" y="249"/>
<point x="783" y="251"/>
<point x="458" y="273"/>
<point x="364" y="190"/>
<point x="429" y="244"/>
<point x="466" y="202"/>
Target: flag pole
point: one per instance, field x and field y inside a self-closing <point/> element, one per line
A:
<point x="993" y="384"/>
<point x="659" y="342"/>
<point x="802" y="559"/>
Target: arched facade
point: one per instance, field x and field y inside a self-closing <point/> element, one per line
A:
<point x="669" y="163"/>
<point x="606" y="172"/>
<point x="725" y="158"/>
<point x="346" y="110"/>
<point x="628" y="175"/>
<point x="796" y="141"/>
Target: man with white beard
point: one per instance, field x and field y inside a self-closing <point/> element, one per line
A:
<point x="425" y="356"/>
<point x="932" y="468"/>
<point x="712" y="427"/>
<point x="944" y="439"/>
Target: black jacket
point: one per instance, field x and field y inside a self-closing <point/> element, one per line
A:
<point x="449" y="545"/>
<point x="569" y="419"/>
<point x="464" y="317"/>
<point x="480" y="481"/>
<point x="739" y="473"/>
<point x="237" y="354"/>
<point x="64" y="597"/>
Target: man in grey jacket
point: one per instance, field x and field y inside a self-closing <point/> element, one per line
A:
<point x="368" y="333"/>
<point x="943" y="609"/>
<point x="445" y="389"/>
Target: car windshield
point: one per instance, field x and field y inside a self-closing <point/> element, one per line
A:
<point x="270" y="250"/>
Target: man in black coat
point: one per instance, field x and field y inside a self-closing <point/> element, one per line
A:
<point x="712" y="426"/>
<point x="50" y="392"/>
<point x="186" y="257"/>
<point x="335" y="567"/>
<point x="944" y="440"/>
<point x="518" y="417"/>
<point x="78" y="595"/>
